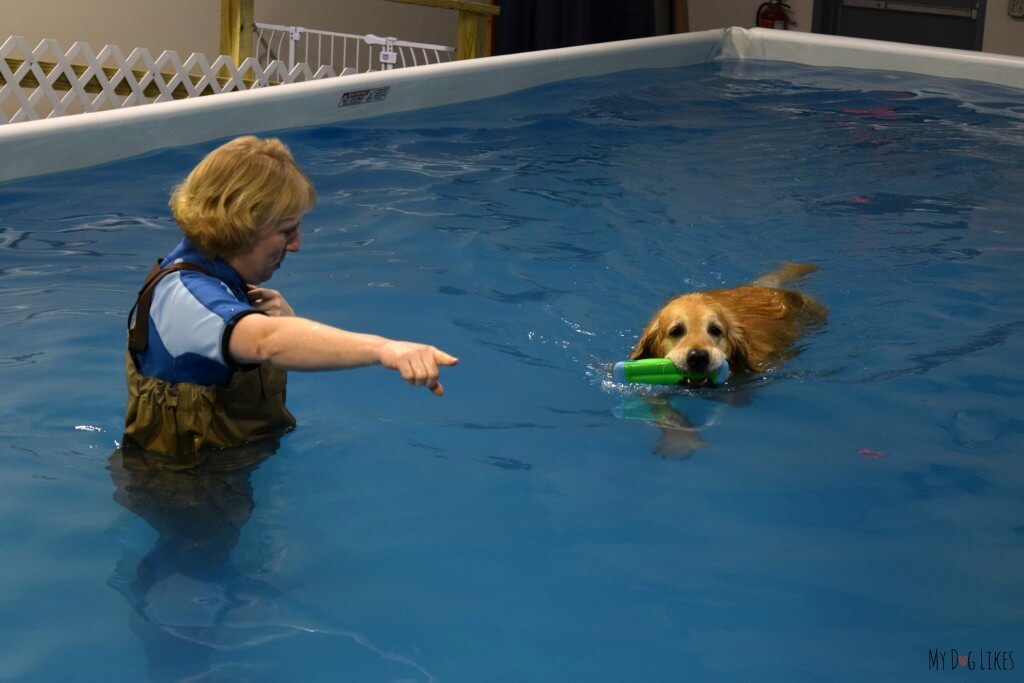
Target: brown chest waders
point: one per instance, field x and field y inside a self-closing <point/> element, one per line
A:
<point x="184" y="419"/>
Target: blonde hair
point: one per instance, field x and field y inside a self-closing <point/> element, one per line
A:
<point x="238" y="189"/>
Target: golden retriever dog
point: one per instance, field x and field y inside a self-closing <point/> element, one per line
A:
<point x="752" y="326"/>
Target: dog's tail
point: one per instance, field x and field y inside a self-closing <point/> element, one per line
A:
<point x="786" y="272"/>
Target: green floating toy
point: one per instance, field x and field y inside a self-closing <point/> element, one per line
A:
<point x="664" y="371"/>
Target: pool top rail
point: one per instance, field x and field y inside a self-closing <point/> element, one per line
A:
<point x="47" y="146"/>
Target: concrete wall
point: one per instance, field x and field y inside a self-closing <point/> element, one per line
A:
<point x="188" y="26"/>
<point x="1003" y="34"/>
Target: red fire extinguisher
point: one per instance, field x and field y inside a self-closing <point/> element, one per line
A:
<point x="773" y="14"/>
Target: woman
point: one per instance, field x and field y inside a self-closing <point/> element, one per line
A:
<point x="208" y="347"/>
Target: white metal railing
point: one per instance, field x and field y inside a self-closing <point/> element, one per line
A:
<point x="341" y="53"/>
<point x="47" y="81"/>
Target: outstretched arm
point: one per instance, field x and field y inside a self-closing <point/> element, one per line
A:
<point x="294" y="343"/>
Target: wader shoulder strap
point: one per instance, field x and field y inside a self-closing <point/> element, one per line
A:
<point x="138" y="318"/>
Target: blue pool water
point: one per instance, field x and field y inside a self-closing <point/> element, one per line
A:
<point x="845" y="516"/>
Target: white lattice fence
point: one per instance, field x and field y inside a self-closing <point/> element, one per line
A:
<point x="47" y="81"/>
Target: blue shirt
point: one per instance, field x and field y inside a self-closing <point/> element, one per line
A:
<point x="191" y="320"/>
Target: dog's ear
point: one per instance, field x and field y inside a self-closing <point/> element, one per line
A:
<point x="737" y="337"/>
<point x="645" y="346"/>
<point x="759" y="324"/>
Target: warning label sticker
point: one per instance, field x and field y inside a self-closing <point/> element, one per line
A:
<point x="363" y="96"/>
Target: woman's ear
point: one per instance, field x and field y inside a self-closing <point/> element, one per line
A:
<point x="645" y="346"/>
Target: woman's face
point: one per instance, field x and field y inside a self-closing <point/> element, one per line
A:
<point x="257" y="263"/>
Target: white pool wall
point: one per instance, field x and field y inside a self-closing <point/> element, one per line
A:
<point x="836" y="51"/>
<point x="38" y="147"/>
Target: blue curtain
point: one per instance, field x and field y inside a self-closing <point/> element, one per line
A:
<point x="525" y="25"/>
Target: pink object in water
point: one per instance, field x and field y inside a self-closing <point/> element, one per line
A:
<point x="878" y="112"/>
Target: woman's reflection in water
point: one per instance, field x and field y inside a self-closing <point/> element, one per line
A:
<point x="189" y="597"/>
<point x="195" y="606"/>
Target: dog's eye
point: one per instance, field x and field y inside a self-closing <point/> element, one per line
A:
<point x="676" y="330"/>
<point x="714" y="330"/>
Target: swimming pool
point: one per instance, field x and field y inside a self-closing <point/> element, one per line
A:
<point x="849" y="515"/>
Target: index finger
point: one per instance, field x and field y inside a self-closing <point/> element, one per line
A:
<point x="442" y="358"/>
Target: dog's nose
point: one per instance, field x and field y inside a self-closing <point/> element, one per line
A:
<point x="697" y="360"/>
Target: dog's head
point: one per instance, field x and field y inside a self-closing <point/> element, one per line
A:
<point x="694" y="331"/>
<point x="750" y="326"/>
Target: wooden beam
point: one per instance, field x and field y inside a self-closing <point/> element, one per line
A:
<point x="473" y="36"/>
<point x="680" y="16"/>
<point x="460" y="5"/>
<point x="236" y="21"/>
<point x="474" y="33"/>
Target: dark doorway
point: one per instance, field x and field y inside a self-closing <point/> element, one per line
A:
<point x="939" y="23"/>
<point x="525" y="25"/>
